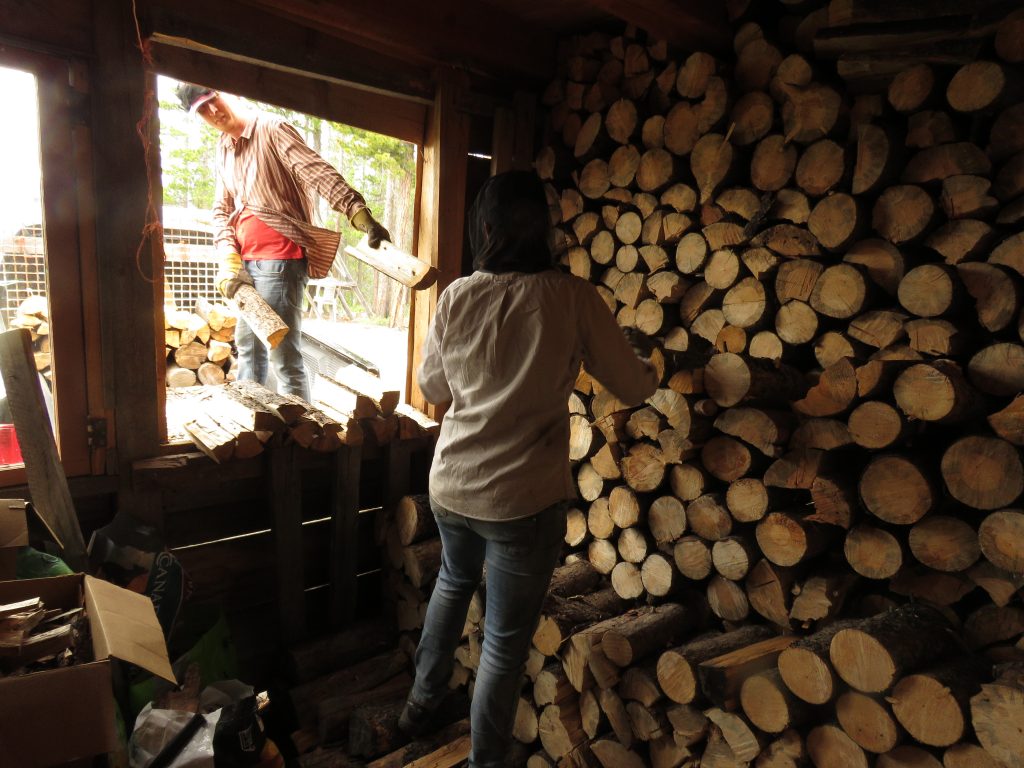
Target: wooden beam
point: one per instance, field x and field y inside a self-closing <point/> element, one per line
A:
<point x="46" y="480"/>
<point x="240" y="29"/>
<point x="483" y="38"/>
<point x="442" y="213"/>
<point x="696" y="25"/>
<point x="403" y="118"/>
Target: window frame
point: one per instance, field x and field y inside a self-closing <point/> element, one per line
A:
<point x="69" y="237"/>
<point x="398" y="116"/>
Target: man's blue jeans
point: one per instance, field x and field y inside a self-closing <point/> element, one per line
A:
<point x="520" y="556"/>
<point x="281" y="283"/>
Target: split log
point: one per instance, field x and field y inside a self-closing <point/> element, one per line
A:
<point x="727" y="599"/>
<point x="258" y="315"/>
<point x="996" y="714"/>
<point x="996" y="294"/>
<point x="785" y="752"/>
<point x="560" y="728"/>
<point x="829" y="745"/>
<point x="678" y="668"/>
<point x="769" y="593"/>
<point x="722" y="676"/>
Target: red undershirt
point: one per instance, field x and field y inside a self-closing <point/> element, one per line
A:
<point x="257" y="240"/>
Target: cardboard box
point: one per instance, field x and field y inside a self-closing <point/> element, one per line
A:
<point x="59" y="715"/>
<point x="13" y="535"/>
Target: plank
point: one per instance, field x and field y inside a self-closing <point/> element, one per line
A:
<point x="46" y="480"/>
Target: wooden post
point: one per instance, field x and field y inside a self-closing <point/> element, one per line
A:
<point x="286" y="507"/>
<point x="344" y="535"/>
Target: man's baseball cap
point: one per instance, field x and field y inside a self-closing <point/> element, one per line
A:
<point x="194" y="96"/>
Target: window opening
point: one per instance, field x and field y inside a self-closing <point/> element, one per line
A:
<point x="23" y="289"/>
<point x="355" y="315"/>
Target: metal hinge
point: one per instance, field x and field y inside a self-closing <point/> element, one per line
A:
<point x="96" y="430"/>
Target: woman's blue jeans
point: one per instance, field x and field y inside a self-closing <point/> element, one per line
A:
<point x="520" y="556"/>
<point x="281" y="283"/>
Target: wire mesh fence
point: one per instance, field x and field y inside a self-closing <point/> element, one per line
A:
<point x="22" y="270"/>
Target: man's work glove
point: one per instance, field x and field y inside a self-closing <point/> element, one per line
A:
<point x="231" y="275"/>
<point x="374" y="230"/>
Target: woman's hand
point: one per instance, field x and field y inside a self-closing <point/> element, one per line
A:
<point x="642" y="344"/>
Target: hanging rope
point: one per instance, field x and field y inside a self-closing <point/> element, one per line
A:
<point x="152" y="226"/>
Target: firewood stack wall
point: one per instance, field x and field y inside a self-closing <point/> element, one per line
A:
<point x="804" y="548"/>
<point x="199" y="344"/>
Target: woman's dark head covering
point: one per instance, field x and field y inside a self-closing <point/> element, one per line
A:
<point x="509" y="225"/>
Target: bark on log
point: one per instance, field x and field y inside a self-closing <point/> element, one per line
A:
<point x="649" y="631"/>
<point x="722" y="676"/>
<point x="874" y="655"/>
<point x="805" y="667"/>
<point x="677" y="668"/>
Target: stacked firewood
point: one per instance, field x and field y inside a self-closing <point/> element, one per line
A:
<point x="836" y="474"/>
<point x="34" y="314"/>
<point x="238" y="419"/>
<point x="199" y="343"/>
